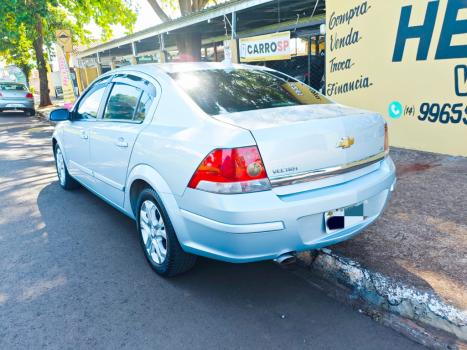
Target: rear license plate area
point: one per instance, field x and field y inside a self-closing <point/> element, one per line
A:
<point x="339" y="219"/>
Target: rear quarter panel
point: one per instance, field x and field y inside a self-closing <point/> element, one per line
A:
<point x="179" y="137"/>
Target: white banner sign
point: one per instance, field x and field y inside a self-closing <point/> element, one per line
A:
<point x="67" y="84"/>
<point x="270" y="47"/>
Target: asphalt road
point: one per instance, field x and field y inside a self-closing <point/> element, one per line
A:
<point x="72" y="276"/>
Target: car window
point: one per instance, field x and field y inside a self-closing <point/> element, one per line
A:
<point x="12" y="87"/>
<point x="89" y="105"/>
<point x="103" y="80"/>
<point x="122" y="103"/>
<point x="235" y="90"/>
<point x="143" y="107"/>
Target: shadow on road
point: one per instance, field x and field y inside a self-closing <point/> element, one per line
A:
<point x="74" y="276"/>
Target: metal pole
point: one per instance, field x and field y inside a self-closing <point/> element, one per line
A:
<point x="161" y="41"/>
<point x="317" y="45"/>
<point x="162" y="53"/>
<point x="234" y="25"/>
<point x="309" y="59"/>
<point x="98" y="64"/>
<point x="133" y="59"/>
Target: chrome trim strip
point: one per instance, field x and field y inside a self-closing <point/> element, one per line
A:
<point x="327" y="172"/>
<point x="82" y="168"/>
<point x="109" y="182"/>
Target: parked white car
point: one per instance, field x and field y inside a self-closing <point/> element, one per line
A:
<point x="232" y="162"/>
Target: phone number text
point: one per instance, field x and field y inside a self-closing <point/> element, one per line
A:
<point x="447" y="113"/>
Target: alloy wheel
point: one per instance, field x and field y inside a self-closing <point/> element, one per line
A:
<point x="60" y="166"/>
<point x="153" y="232"/>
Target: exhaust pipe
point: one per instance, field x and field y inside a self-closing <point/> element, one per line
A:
<point x="286" y="259"/>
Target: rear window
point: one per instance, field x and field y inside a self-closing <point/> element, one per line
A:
<point x="222" y="91"/>
<point x="12" y="86"/>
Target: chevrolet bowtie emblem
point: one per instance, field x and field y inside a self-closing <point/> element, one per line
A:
<point x="346" y="142"/>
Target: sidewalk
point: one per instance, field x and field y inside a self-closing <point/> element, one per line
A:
<point x="420" y="242"/>
<point x="44" y="111"/>
<point x="421" y="239"/>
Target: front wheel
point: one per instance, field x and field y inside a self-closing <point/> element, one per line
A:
<point x="64" y="178"/>
<point x="158" y="238"/>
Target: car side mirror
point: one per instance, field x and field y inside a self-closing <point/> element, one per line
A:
<point x="59" y="115"/>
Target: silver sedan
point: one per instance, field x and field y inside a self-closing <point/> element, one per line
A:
<point x="232" y="162"/>
<point x="16" y="96"/>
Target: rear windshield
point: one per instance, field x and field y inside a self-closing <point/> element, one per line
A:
<point x="12" y="86"/>
<point x="222" y="91"/>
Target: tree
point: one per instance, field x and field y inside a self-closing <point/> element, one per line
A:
<point x="189" y="42"/>
<point x="39" y="19"/>
<point x="17" y="50"/>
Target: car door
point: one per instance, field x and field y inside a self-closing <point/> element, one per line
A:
<point x="76" y="132"/>
<point x="114" y="134"/>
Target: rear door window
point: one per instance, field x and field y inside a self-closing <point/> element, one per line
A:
<point x="12" y="87"/>
<point x="221" y="91"/>
<point x="122" y="102"/>
<point x="143" y="107"/>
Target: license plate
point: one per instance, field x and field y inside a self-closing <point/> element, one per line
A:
<point x="339" y="219"/>
<point x="14" y="105"/>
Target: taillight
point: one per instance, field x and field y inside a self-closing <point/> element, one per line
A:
<point x="386" y="139"/>
<point x="29" y="95"/>
<point x="230" y="171"/>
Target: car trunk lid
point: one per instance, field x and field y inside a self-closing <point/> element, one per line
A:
<point x="304" y="139"/>
<point x="13" y="94"/>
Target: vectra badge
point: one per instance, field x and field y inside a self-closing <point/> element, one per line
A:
<point x="346" y="142"/>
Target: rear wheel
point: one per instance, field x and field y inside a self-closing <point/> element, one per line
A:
<point x="30" y="112"/>
<point x="158" y="238"/>
<point x="64" y="178"/>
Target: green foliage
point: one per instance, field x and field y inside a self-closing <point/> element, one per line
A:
<point x="20" y="17"/>
<point x="34" y="22"/>
<point x="104" y="13"/>
<point x="17" y="50"/>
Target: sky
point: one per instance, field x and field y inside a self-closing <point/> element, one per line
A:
<point x="146" y="18"/>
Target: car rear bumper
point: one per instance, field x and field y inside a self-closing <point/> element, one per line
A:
<point x="264" y="225"/>
<point x="16" y="104"/>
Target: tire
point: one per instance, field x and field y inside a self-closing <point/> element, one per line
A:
<point x="30" y="112"/>
<point x="157" y="237"/>
<point x="64" y="178"/>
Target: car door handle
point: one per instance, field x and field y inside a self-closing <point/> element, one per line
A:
<point x="84" y="135"/>
<point x="121" y="142"/>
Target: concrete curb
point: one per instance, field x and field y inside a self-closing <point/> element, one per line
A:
<point x="384" y="293"/>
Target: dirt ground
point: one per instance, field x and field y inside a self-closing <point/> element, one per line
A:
<point x="421" y="239"/>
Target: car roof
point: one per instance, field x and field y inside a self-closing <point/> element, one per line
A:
<point x="170" y="68"/>
<point x="11" y="82"/>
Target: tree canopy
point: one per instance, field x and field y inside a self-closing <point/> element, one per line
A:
<point x="17" y="50"/>
<point x="32" y="24"/>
